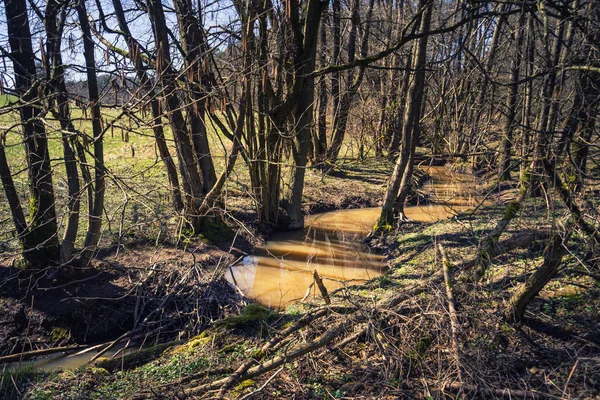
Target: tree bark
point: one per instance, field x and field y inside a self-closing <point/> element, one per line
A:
<point x="97" y="208"/>
<point x="521" y="298"/>
<point x="194" y="45"/>
<point x="303" y="113"/>
<point x="400" y="180"/>
<point x="511" y="111"/>
<point x="321" y="142"/>
<point x="340" y="118"/>
<point x="157" y="125"/>
<point x="188" y="164"/>
<point x="40" y="240"/>
<point x="54" y="24"/>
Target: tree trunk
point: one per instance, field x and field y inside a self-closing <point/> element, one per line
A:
<point x="157" y="125"/>
<point x="194" y="45"/>
<point x="12" y="196"/>
<point x="400" y="180"/>
<point x="188" y="164"/>
<point x="97" y="208"/>
<point x="511" y="112"/>
<point x="40" y="241"/>
<point x="321" y="142"/>
<point x="340" y="118"/>
<point x="394" y="146"/>
<point x="336" y="11"/>
<point x="521" y="298"/>
<point x="56" y="81"/>
<point x="303" y="112"/>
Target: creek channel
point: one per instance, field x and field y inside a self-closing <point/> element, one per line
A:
<point x="282" y="271"/>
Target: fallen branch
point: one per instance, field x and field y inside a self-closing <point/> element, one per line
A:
<point x="111" y="345"/>
<point x="507" y="392"/>
<point x="264" y="385"/>
<point x="321" y="287"/>
<point x="37" y="353"/>
<point x="277" y="361"/>
<point x="452" y="312"/>
<point x="242" y="369"/>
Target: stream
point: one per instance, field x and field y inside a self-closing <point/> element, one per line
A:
<point x="281" y="272"/>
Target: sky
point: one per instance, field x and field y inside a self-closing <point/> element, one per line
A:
<point x="216" y="14"/>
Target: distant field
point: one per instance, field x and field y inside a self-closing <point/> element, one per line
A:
<point x="6" y="99"/>
<point x="137" y="200"/>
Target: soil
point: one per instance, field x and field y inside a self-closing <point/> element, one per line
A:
<point x="52" y="308"/>
<point x="386" y="350"/>
<point x="88" y="305"/>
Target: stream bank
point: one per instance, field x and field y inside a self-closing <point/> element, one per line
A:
<point x="387" y="338"/>
<point x="49" y="308"/>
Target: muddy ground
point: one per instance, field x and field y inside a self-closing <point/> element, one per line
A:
<point x="98" y="303"/>
<point x="387" y="339"/>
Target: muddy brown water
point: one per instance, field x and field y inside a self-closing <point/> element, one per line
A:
<point x="281" y="272"/>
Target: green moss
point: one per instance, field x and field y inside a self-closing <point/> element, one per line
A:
<point x="59" y="334"/>
<point x="382" y="226"/>
<point x="33" y="209"/>
<point x="511" y="210"/>
<point x="193" y="343"/>
<point x="239" y="389"/>
<point x="214" y="230"/>
<point x="99" y="371"/>
<point x="252" y="313"/>
<point x="524" y="181"/>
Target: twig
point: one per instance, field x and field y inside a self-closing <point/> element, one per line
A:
<point x="37" y="353"/>
<point x="277" y="361"/>
<point x="321" y="287"/>
<point x="111" y="345"/>
<point x="242" y="369"/>
<point x="570" y="376"/>
<point x="235" y="283"/>
<point x="263" y="386"/>
<point x="452" y="311"/>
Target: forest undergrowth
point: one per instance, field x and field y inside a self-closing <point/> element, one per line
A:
<point x="426" y="329"/>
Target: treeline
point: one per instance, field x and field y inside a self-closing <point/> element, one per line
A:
<point x="509" y="87"/>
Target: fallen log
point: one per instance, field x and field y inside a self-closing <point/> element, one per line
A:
<point x="453" y="318"/>
<point x="277" y="361"/>
<point x="505" y="392"/>
<point x="37" y="353"/>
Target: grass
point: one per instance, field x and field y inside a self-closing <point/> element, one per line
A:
<point x="7" y="99"/>
<point x="402" y="349"/>
<point x="137" y="199"/>
<point x="14" y="380"/>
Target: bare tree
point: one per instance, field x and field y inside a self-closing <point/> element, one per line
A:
<point x="40" y="236"/>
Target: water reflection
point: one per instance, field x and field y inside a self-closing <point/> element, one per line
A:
<point x="282" y="272"/>
<point x="75" y="360"/>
